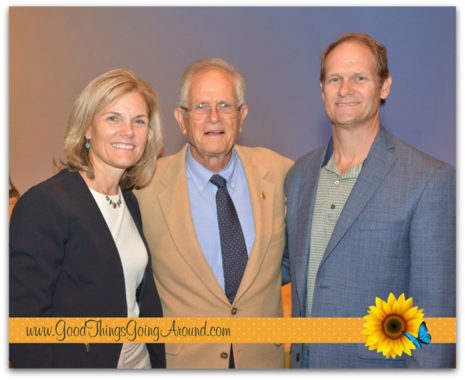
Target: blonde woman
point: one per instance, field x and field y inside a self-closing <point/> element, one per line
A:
<point x="76" y="242"/>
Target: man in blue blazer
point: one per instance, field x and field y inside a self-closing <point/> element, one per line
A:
<point x="367" y="215"/>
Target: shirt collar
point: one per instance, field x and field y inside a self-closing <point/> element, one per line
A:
<point x="352" y="172"/>
<point x="200" y="175"/>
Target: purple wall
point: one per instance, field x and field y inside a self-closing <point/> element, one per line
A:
<point x="55" y="52"/>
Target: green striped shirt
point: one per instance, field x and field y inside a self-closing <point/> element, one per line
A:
<point x="333" y="191"/>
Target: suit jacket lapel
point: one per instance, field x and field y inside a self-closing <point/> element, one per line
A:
<point x="91" y="214"/>
<point x="94" y="216"/>
<point x="306" y="203"/>
<point x="174" y="203"/>
<point x="378" y="163"/>
<point x="262" y="193"/>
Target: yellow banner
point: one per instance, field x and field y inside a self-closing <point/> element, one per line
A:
<point x="204" y="330"/>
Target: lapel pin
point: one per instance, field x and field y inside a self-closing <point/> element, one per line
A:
<point x="262" y="195"/>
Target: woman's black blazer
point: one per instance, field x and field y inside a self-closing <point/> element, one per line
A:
<point x="64" y="263"/>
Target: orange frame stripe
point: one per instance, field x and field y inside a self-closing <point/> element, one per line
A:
<point x="204" y="330"/>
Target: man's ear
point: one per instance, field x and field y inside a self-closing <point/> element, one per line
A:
<point x="386" y="88"/>
<point x="179" y="116"/>
<point x="244" y="111"/>
<point x="322" y="92"/>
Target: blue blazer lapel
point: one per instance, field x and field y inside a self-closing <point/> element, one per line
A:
<point x="378" y="163"/>
<point x="306" y="202"/>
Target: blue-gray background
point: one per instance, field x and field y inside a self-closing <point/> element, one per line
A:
<point x="55" y="52"/>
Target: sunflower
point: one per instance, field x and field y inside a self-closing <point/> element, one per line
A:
<point x="386" y="323"/>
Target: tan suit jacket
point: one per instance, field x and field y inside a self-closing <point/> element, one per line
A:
<point x="186" y="284"/>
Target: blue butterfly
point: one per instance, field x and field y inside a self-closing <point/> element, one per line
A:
<point x="423" y="336"/>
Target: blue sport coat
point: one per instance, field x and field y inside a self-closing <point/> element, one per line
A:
<point x="396" y="234"/>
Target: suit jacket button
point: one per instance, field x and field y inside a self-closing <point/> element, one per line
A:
<point x="224" y="355"/>
<point x="297" y="357"/>
<point x="234" y="311"/>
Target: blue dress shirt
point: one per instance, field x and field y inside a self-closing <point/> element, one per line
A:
<point x="202" y="196"/>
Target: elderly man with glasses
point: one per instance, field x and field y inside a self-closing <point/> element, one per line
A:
<point x="214" y="216"/>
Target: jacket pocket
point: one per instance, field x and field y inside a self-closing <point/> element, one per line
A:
<point x="173" y="348"/>
<point x="364" y="353"/>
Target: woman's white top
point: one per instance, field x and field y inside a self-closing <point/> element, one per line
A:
<point x="134" y="259"/>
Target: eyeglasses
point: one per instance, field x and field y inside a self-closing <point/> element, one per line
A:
<point x="201" y="110"/>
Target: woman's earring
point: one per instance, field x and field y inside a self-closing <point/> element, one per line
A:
<point x="87" y="144"/>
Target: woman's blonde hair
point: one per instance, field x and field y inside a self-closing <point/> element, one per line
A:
<point x="98" y="94"/>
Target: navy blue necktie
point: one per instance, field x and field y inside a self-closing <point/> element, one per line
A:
<point x="233" y="248"/>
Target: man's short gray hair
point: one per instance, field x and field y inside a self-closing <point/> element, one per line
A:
<point x="205" y="65"/>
